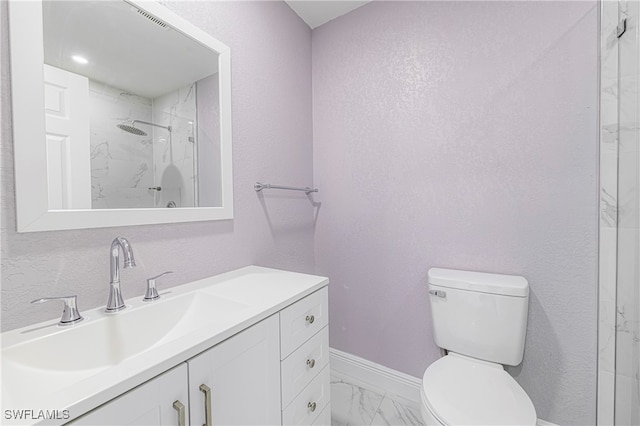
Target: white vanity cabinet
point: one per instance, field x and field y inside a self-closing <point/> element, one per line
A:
<point x="160" y="401"/>
<point x="270" y="369"/>
<point x="238" y="381"/>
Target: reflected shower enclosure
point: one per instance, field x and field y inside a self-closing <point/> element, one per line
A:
<point x="128" y="128"/>
<point x="143" y="150"/>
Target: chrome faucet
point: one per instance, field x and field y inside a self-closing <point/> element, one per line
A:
<point x="115" y="302"/>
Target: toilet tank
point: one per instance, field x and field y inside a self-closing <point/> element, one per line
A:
<point x="479" y="314"/>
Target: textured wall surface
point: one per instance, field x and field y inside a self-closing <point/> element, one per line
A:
<point x="461" y="135"/>
<point x="446" y="134"/>
<point x="271" y="89"/>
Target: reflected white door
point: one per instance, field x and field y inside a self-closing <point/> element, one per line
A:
<point x="66" y="99"/>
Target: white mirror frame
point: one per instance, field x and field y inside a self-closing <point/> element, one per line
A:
<point x="27" y="58"/>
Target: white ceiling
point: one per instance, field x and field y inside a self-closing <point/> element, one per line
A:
<point x="316" y="13"/>
<point x="130" y="52"/>
<point x="125" y="49"/>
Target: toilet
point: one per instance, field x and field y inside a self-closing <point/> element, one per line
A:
<point x="480" y="319"/>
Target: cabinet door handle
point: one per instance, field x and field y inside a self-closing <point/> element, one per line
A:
<point x="179" y="406"/>
<point x="312" y="406"/>
<point x="207" y="404"/>
<point x="310" y="319"/>
<point x="311" y="363"/>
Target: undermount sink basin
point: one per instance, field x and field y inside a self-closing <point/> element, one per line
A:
<point x="97" y="343"/>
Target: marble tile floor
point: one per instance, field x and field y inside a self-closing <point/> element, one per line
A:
<point x="354" y="403"/>
<point x="360" y="404"/>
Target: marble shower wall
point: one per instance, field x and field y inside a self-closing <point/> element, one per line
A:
<point x="627" y="400"/>
<point x="619" y="358"/>
<point x="174" y="152"/>
<point x="121" y="163"/>
<point x="608" y="211"/>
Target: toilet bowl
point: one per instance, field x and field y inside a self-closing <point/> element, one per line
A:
<point x="481" y="320"/>
<point x="459" y="390"/>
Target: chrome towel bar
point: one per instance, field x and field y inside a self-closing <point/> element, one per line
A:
<point x="260" y="186"/>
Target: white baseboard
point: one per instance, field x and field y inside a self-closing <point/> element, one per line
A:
<point x="382" y="378"/>
<point x="376" y="375"/>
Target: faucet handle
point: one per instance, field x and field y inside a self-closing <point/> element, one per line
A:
<point x="152" y="291"/>
<point x="70" y="314"/>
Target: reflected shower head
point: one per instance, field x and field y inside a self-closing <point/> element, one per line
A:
<point x="134" y="130"/>
<point x="131" y="129"/>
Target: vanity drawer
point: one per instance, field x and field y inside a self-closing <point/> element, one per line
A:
<point x="324" y="419"/>
<point x="307" y="406"/>
<point x="299" y="368"/>
<point x="302" y="320"/>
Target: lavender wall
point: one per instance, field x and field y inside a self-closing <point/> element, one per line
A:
<point x="271" y="86"/>
<point x="461" y="135"/>
<point x="448" y="134"/>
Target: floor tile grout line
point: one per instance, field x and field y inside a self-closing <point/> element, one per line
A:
<point x="375" y="413"/>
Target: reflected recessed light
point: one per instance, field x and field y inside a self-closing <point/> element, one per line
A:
<point x="80" y="59"/>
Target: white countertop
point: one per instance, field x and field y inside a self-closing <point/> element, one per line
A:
<point x="264" y="292"/>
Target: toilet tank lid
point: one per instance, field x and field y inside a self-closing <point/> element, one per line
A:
<point x="507" y="285"/>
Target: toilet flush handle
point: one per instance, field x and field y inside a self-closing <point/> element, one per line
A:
<point x="439" y="293"/>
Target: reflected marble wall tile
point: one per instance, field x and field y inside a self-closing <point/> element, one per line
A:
<point x="120" y="162"/>
<point x="178" y="110"/>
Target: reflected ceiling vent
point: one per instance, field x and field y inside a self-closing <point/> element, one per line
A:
<point x="152" y="18"/>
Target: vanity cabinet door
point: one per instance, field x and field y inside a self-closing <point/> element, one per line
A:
<point x="239" y="379"/>
<point x="155" y="402"/>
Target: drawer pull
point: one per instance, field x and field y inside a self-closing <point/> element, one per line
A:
<point x="312" y="406"/>
<point x="207" y="404"/>
<point x="310" y="319"/>
<point x="311" y="363"/>
<point x="179" y="406"/>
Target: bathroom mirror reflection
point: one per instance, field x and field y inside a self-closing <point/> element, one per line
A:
<point x="130" y="116"/>
<point x="132" y="111"/>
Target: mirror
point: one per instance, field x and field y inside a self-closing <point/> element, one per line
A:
<point x="121" y="116"/>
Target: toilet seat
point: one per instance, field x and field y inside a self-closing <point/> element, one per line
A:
<point x="458" y="390"/>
